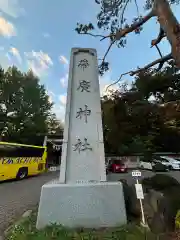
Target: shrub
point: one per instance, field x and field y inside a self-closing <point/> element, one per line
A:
<point x="160" y="182"/>
<point x="177" y="220"/>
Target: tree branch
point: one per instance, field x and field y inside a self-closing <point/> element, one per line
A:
<point x="159" y="51"/>
<point x="161" y="61"/>
<point x="93" y="35"/>
<point x="97" y="1"/>
<point x="123" y="32"/>
<point x="106" y="53"/>
<point x="159" y="38"/>
<point x="137" y="8"/>
<point x="122" y="14"/>
<point x="123" y="74"/>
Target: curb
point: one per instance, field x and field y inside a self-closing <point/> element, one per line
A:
<point x="23" y="217"/>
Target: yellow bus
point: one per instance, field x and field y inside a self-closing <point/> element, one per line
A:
<point x="18" y="161"/>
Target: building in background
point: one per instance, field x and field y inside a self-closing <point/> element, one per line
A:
<point x="54" y="149"/>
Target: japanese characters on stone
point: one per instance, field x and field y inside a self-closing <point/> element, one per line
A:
<point x="84" y="86"/>
<point x="83" y="64"/>
<point x="86" y="112"/>
<point x="82" y="145"/>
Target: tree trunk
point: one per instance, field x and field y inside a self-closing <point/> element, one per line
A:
<point x="170" y="25"/>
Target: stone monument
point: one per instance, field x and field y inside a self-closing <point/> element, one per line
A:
<point x="82" y="197"/>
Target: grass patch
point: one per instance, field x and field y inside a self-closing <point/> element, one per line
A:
<point x="28" y="231"/>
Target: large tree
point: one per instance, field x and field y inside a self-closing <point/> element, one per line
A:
<point x="55" y="126"/>
<point x="144" y="118"/>
<point x="112" y="20"/>
<point x="24" y="106"/>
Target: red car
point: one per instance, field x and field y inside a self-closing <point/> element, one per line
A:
<point x="116" y="166"/>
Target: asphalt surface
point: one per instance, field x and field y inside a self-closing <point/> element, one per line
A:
<point x="144" y="174"/>
<point x="18" y="196"/>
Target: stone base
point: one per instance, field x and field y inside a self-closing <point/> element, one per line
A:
<point x="90" y="205"/>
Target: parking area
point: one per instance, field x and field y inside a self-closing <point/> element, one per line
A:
<point x="145" y="173"/>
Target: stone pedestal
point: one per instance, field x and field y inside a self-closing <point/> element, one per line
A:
<point x="82" y="197"/>
<point x="91" y="205"/>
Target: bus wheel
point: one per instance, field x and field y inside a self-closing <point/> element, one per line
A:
<point x="22" y="173"/>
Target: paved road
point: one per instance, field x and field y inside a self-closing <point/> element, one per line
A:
<point x="19" y="196"/>
<point x="131" y="180"/>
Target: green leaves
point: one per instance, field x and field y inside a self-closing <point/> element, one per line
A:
<point x="24" y="106"/>
<point x="84" y="28"/>
<point x="144" y="118"/>
<point x="54" y="126"/>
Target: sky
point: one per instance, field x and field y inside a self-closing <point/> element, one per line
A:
<point x="39" y="35"/>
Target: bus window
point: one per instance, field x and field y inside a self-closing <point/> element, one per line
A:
<point x="20" y="151"/>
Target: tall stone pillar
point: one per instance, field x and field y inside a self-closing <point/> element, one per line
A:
<point x="82" y="197"/>
<point x="83" y="147"/>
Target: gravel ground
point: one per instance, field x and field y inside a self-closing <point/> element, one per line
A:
<point x="19" y="196"/>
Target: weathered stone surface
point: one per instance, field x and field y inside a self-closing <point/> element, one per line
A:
<point x="92" y="205"/>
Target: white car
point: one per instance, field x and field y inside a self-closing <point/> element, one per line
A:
<point x="145" y="164"/>
<point x="171" y="163"/>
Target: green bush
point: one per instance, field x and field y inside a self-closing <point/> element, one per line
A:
<point x="177" y="220"/>
<point x="160" y="182"/>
